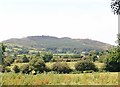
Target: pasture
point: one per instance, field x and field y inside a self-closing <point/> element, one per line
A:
<point x="107" y="78"/>
<point x="95" y="78"/>
<point x="49" y="64"/>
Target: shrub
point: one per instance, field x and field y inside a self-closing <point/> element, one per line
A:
<point x="18" y="61"/>
<point x="8" y="61"/>
<point x="37" y="65"/>
<point x="46" y="56"/>
<point x="5" y="69"/>
<point x="61" y="67"/>
<point x="25" y="69"/>
<point x="85" y="65"/>
<point x="25" y="59"/>
<point x="101" y="59"/>
<point x="16" y="69"/>
<point x="47" y="69"/>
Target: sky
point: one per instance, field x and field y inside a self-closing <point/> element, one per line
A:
<point x="77" y="19"/>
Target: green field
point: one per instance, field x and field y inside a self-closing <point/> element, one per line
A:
<point x="106" y="78"/>
<point x="49" y="64"/>
<point x="96" y="78"/>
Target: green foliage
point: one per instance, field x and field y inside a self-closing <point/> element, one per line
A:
<point x="8" y="61"/>
<point x="57" y="45"/>
<point x="115" y="6"/>
<point x="118" y="39"/>
<point x="5" y="69"/>
<point x="61" y="67"/>
<point x="102" y="58"/>
<point x="46" y="56"/>
<point x="3" y="47"/>
<point x="85" y="65"/>
<point x="25" y="59"/>
<point x="16" y="69"/>
<point x="93" y="55"/>
<point x="37" y="65"/>
<point x="94" y="58"/>
<point x="72" y="56"/>
<point x="112" y="62"/>
<point x="47" y="69"/>
<point x="25" y="69"/>
<point x="18" y="60"/>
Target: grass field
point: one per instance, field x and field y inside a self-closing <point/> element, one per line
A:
<point x="49" y="64"/>
<point x="96" y="78"/>
<point x="106" y="78"/>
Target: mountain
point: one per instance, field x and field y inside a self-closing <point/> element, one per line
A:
<point x="54" y="43"/>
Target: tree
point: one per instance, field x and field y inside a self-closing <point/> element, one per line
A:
<point x="118" y="40"/>
<point x="112" y="62"/>
<point x="25" y="59"/>
<point x="3" y="47"/>
<point x="61" y="67"/>
<point x="46" y="56"/>
<point x="25" y="69"/>
<point x="16" y="69"/>
<point x="85" y="65"/>
<point x="115" y="6"/>
<point x="93" y="55"/>
<point x="0" y="55"/>
<point x="8" y="61"/>
<point x="37" y="65"/>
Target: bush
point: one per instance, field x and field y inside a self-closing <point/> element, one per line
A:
<point x="5" y="69"/>
<point x="16" y="69"/>
<point x="47" y="69"/>
<point x="8" y="61"/>
<point x="85" y="65"/>
<point x="25" y="59"/>
<point x="18" y="61"/>
<point x="101" y="59"/>
<point x="61" y="68"/>
<point x="37" y="65"/>
<point x="25" y="69"/>
<point x="46" y="56"/>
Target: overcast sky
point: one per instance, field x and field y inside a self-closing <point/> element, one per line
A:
<point x="79" y="19"/>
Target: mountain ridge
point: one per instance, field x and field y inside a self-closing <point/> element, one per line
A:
<point x="58" y="43"/>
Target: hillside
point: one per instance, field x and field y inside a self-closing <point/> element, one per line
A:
<point x="50" y="43"/>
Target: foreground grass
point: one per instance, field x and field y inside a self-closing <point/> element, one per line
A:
<point x="106" y="78"/>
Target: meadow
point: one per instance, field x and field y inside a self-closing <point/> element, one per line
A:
<point x="95" y="78"/>
<point x="107" y="78"/>
<point x="49" y="64"/>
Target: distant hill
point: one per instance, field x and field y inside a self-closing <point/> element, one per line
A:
<point x="56" y="44"/>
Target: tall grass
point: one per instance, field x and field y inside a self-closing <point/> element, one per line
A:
<point x="106" y="78"/>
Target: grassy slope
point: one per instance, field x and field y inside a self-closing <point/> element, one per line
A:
<point x="54" y="42"/>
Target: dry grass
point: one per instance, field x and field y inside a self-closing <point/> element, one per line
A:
<point x="61" y="79"/>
